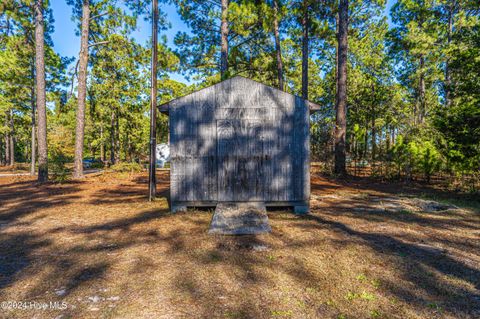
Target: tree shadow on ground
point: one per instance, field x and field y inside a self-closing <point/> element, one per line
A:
<point x="388" y="245"/>
<point x="132" y="190"/>
<point x="25" y="197"/>
<point x="365" y="209"/>
<point x="411" y="188"/>
<point x="149" y="253"/>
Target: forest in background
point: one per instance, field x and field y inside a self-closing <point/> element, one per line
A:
<point x="409" y="96"/>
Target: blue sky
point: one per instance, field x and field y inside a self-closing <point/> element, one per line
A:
<point x="67" y="43"/>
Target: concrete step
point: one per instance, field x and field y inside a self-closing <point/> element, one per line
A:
<point x="238" y="218"/>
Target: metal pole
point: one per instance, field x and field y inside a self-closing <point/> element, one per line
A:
<point x="152" y="180"/>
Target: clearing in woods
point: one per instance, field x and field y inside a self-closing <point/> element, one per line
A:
<point x="367" y="250"/>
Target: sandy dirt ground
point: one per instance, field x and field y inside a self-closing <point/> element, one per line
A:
<point x="96" y="248"/>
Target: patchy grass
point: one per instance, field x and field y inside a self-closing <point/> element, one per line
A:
<point x="363" y="295"/>
<point x="100" y="247"/>
<point x="470" y="201"/>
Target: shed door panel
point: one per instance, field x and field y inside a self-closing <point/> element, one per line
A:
<point x="240" y="160"/>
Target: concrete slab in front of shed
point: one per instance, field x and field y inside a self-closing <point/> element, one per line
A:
<point x="240" y="219"/>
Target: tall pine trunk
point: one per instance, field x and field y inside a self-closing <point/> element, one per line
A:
<point x="117" y="136"/>
<point x="2" y="161"/>
<point x="448" y="81"/>
<point x="341" y="98"/>
<point x="336" y="50"/>
<point x="33" y="146"/>
<point x="112" y="138"/>
<point x="365" y="139"/>
<point x="41" y="95"/>
<point x="374" y="141"/>
<point x="374" y="130"/>
<point x="224" y="40"/>
<point x="420" y="109"/>
<point x="82" y="91"/>
<point x="305" y="27"/>
<point x="7" y="143"/>
<point x="387" y="138"/>
<point x="5" y="154"/>
<point x="421" y="91"/>
<point x="278" y="48"/>
<point x="102" y="144"/>
<point x="11" y="141"/>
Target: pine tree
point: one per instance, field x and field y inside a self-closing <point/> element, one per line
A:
<point x="224" y="39"/>
<point x="41" y="93"/>
<point x="278" y="46"/>
<point x="413" y="46"/>
<point x="82" y="90"/>
<point x="341" y="99"/>
<point x="17" y="85"/>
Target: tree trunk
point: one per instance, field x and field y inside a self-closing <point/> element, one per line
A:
<point x="112" y="138"/>
<point x="224" y="39"/>
<point x="365" y="139"/>
<point x="421" y="91"/>
<point x="278" y="48"/>
<point x="2" y="153"/>
<point x="374" y="131"/>
<point x="336" y="50"/>
<point x="374" y="143"/>
<point x="448" y="81"/>
<point x="102" y="144"/>
<point x="33" y="146"/>
<point x="7" y="142"/>
<point x="305" y="26"/>
<point x="374" y="136"/>
<point x="41" y="94"/>
<point x="387" y="138"/>
<point x="117" y="137"/>
<point x="355" y="147"/>
<point x="82" y="91"/>
<point x="152" y="165"/>
<point x="2" y="163"/>
<point x="11" y="138"/>
<point x="341" y="98"/>
<point x="126" y="147"/>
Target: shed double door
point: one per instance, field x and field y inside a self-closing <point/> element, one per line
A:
<point x="240" y="154"/>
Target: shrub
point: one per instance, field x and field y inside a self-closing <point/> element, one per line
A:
<point x="20" y="166"/>
<point x="57" y="165"/>
<point x="416" y="156"/>
<point x="126" y="168"/>
<point x="97" y="165"/>
<point x="430" y="159"/>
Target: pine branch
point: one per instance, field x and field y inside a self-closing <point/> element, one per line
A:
<point x="98" y="43"/>
<point x="98" y="16"/>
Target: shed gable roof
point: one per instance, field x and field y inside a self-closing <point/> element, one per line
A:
<point x="164" y="108"/>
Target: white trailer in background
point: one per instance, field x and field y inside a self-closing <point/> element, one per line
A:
<point x="163" y="154"/>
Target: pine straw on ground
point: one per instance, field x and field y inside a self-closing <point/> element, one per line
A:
<point x="101" y="248"/>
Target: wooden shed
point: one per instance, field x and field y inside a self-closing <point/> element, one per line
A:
<point x="239" y="141"/>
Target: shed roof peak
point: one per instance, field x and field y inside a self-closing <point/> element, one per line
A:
<point x="164" y="108"/>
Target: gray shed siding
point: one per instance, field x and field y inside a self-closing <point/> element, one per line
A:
<point x="239" y="140"/>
